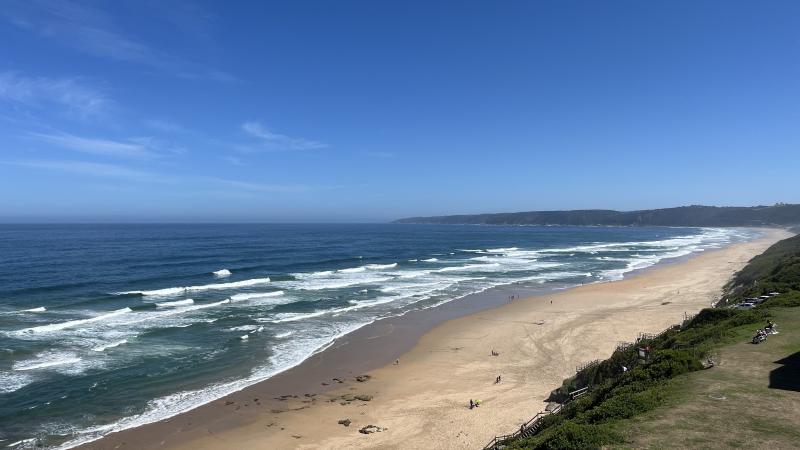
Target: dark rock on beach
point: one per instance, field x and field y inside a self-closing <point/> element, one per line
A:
<point x="371" y="429"/>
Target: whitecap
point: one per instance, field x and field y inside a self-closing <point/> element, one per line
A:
<point x="315" y="281"/>
<point x="205" y="287"/>
<point x="103" y="347"/>
<point x="13" y="381"/>
<point x="243" y="328"/>
<point x="293" y="317"/>
<point x="473" y="267"/>
<point x="74" y="323"/>
<point x="222" y="273"/>
<point x="255" y="295"/>
<point x="501" y="250"/>
<point x="381" y="266"/>
<point x="23" y="441"/>
<point x="175" y="303"/>
<point x="47" y="360"/>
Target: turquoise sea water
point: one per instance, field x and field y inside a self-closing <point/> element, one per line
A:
<point x="105" y="327"/>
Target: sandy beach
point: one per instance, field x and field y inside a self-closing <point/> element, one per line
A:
<point x="422" y="402"/>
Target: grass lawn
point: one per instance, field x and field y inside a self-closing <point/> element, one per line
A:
<point x="750" y="399"/>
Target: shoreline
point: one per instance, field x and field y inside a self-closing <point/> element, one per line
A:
<point x="292" y="399"/>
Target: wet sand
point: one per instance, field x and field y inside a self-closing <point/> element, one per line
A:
<point x="422" y="402"/>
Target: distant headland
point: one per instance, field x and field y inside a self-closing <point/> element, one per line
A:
<point x="780" y="214"/>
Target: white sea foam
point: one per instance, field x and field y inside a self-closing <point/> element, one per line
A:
<point x="469" y="267"/>
<point x="362" y="268"/>
<point x="501" y="250"/>
<point x="26" y="442"/>
<point x="47" y="360"/>
<point x="13" y="381"/>
<point x="39" y="309"/>
<point x="430" y="260"/>
<point x="205" y="287"/>
<point x="293" y="317"/>
<point x="222" y="273"/>
<point x="358" y="304"/>
<point x="406" y="274"/>
<point x="255" y="295"/>
<point x="332" y="280"/>
<point x="104" y="347"/>
<point x="120" y="324"/>
<point x="175" y="303"/>
<point x="291" y="354"/>
<point x="74" y="323"/>
<point x="381" y="266"/>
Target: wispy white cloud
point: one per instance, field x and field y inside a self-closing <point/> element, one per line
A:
<point x="69" y="93"/>
<point x="158" y="146"/>
<point x="93" y="31"/>
<point x="87" y="168"/>
<point x="105" y="147"/>
<point x="121" y="172"/>
<point x="274" y="141"/>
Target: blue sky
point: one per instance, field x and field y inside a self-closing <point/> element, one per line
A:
<point x="371" y="111"/>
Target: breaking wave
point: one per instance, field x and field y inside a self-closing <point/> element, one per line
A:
<point x="206" y="287"/>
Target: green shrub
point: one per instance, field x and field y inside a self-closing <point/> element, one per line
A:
<point x="587" y="422"/>
<point x="572" y="436"/>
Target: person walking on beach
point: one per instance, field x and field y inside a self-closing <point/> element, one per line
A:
<point x="471" y="404"/>
<point x="497" y="380"/>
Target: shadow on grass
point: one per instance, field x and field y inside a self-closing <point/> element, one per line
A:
<point x="786" y="377"/>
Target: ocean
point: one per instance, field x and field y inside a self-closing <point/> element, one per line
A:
<point x="106" y="327"/>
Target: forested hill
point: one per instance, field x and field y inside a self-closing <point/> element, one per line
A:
<point x="699" y="216"/>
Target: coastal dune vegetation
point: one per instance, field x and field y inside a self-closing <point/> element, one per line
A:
<point x="627" y="392"/>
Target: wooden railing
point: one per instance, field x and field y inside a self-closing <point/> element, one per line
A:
<point x="586" y="365"/>
<point x="622" y="346"/>
<point x="531" y="427"/>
